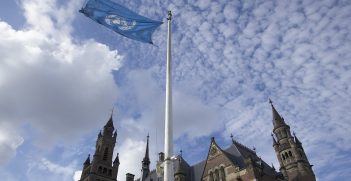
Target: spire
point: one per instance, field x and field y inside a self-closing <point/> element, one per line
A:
<point x="146" y="159"/>
<point x="87" y="161"/>
<point x="277" y="119"/>
<point x="116" y="160"/>
<point x="110" y="121"/>
<point x="108" y="128"/>
<point x="99" y="135"/>
<point x="297" y="141"/>
<point x="274" y="141"/>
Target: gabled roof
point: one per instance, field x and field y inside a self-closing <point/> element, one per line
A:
<point x="236" y="152"/>
<point x="247" y="152"/>
<point x="197" y="169"/>
<point x="235" y="156"/>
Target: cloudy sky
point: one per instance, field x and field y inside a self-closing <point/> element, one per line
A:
<point x="61" y="74"/>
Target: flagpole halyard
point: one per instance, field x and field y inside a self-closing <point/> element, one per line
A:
<point x="168" y="165"/>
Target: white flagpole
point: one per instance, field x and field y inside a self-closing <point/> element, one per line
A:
<point x="168" y="165"/>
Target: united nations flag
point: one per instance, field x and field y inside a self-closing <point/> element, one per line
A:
<point x="121" y="19"/>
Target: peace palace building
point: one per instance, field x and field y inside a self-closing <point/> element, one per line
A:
<point x="235" y="163"/>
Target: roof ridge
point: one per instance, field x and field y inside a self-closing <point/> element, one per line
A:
<point x="240" y="144"/>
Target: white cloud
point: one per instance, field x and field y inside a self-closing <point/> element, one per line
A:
<point x="295" y="52"/>
<point x="44" y="169"/>
<point x="228" y="59"/>
<point x="9" y="142"/>
<point x="59" y="86"/>
<point x="131" y="155"/>
<point x="77" y="175"/>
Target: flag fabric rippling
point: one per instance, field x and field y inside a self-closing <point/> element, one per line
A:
<point x="121" y="20"/>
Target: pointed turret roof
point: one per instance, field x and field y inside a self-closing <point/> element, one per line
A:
<point x="277" y="119"/>
<point x="87" y="161"/>
<point x="146" y="157"/>
<point x="116" y="159"/>
<point x="297" y="141"/>
<point x="110" y="122"/>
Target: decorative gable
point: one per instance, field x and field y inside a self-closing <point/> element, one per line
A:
<point x="218" y="164"/>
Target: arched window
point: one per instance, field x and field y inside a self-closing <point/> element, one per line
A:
<point x="105" y="153"/>
<point x="100" y="169"/>
<point x="110" y="172"/>
<point x="283" y="156"/>
<point x="105" y="170"/>
<point x="290" y="154"/>
<point x="222" y="174"/>
<point x="217" y="175"/>
<point x="211" y="176"/>
<point x="286" y="155"/>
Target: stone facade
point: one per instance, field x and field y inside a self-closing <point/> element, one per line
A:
<point x="235" y="163"/>
<point x="101" y="167"/>
<point x="292" y="158"/>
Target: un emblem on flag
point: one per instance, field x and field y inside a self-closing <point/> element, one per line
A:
<point x="121" y="23"/>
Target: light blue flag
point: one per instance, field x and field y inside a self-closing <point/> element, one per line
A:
<point x="121" y="19"/>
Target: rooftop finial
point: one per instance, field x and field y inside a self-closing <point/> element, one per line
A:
<point x="113" y="108"/>
<point x="273" y="168"/>
<point x="232" y="137"/>
<point x="87" y="161"/>
<point x="270" y="101"/>
<point x="181" y="153"/>
<point x="169" y="15"/>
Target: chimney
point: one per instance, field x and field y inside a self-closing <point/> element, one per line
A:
<point x="161" y="156"/>
<point x="129" y="177"/>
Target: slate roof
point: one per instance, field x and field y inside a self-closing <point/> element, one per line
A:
<point x="236" y="152"/>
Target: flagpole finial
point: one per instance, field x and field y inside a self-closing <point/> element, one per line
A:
<point x="169" y="15"/>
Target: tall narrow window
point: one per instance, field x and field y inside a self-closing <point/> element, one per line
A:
<point x="105" y="154"/>
<point x="211" y="176"/>
<point x="223" y="173"/>
<point x="217" y="175"/>
<point x="290" y="154"/>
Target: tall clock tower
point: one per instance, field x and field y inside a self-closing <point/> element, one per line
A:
<point x="101" y="168"/>
<point x="292" y="158"/>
